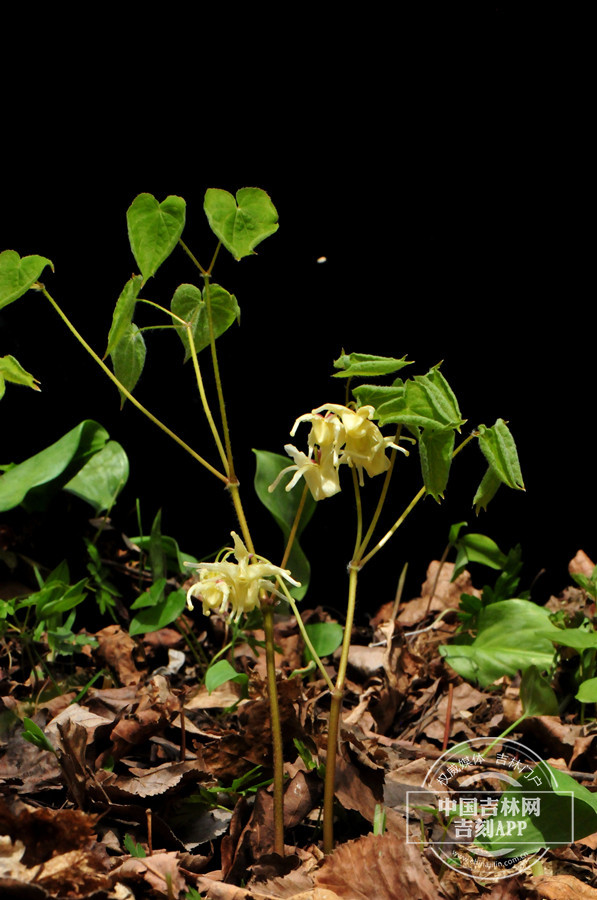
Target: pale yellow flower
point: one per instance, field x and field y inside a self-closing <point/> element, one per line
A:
<point x="232" y="589"/>
<point x="357" y="440"/>
<point x="320" y="473"/>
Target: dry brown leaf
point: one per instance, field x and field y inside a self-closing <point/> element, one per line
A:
<point x="217" y="890"/>
<point x="157" y="870"/>
<point x="581" y="564"/>
<point x="117" y="648"/>
<point x="79" y="714"/>
<point x="446" y="594"/>
<point x="221" y="698"/>
<point x="383" y="867"/>
<point x="46" y="832"/>
<point x="557" y="738"/>
<point x="301" y="795"/>
<point x="560" y="887"/>
<point x="150" y="782"/>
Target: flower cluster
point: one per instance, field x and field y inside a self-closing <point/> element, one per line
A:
<point x="342" y="435"/>
<point x="232" y="589"/>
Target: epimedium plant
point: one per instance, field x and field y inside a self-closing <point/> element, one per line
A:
<point x="420" y="411"/>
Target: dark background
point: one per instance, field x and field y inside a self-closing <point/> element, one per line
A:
<point x="445" y="177"/>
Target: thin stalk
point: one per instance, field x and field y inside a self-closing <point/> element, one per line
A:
<point x="164" y="310"/>
<point x="204" y="402"/>
<point x="334" y="719"/>
<point x="504" y="733"/>
<point x="359" y="508"/>
<point x="305" y="635"/>
<point x="418" y="496"/>
<point x="276" y="725"/>
<point x="295" y="524"/>
<point x="216" y="368"/>
<point x="128" y="394"/>
<point x="436" y="579"/>
<point x="190" y="255"/>
<point x="382" y="496"/>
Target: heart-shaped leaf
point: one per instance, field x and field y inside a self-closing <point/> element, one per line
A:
<point x="17" y="275"/>
<point x="189" y="303"/>
<point x="128" y="358"/>
<point x="243" y="223"/>
<point x="154" y="230"/>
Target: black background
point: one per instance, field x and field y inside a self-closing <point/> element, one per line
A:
<point x="444" y="172"/>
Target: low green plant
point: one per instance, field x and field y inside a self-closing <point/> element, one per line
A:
<point x="345" y="437"/>
<point x="501" y="634"/>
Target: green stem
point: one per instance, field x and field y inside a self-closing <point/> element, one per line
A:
<point x="382" y="496"/>
<point x="220" y="392"/>
<point x="334" y="719"/>
<point x="306" y="638"/>
<point x="190" y="255"/>
<point x="276" y="725"/>
<point x="418" y="496"/>
<point x="164" y="310"/>
<point x="266" y="607"/>
<point x="504" y="733"/>
<point x="204" y="402"/>
<point x="359" y="508"/>
<point x="128" y="394"/>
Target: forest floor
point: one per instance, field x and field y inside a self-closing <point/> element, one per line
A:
<point x="158" y="788"/>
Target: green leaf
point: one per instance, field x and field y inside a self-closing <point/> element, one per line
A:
<point x="128" y="359"/>
<point x="283" y="505"/>
<point x="436" y="446"/>
<point x="157" y="554"/>
<point x="486" y="490"/>
<point x="568" y="812"/>
<point x="124" y="312"/>
<point x="510" y="637"/>
<point x="499" y="449"/>
<point x="11" y="370"/>
<point x="153" y="597"/>
<point x="363" y="365"/>
<point x="428" y="402"/>
<point x="132" y="847"/>
<point x="153" y="618"/>
<point x="190" y="305"/>
<point x="18" y="275"/>
<point x="326" y="637"/>
<point x="66" y="599"/>
<point x="220" y="673"/>
<point x="477" y="548"/>
<point x="577" y="638"/>
<point x="376" y="394"/>
<point x="102" y="478"/>
<point x="34" y="481"/>
<point x="35" y="735"/>
<point x="154" y="230"/>
<point x="587" y="691"/>
<point x="243" y="223"/>
<point x="175" y="558"/>
<point x="537" y="695"/>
